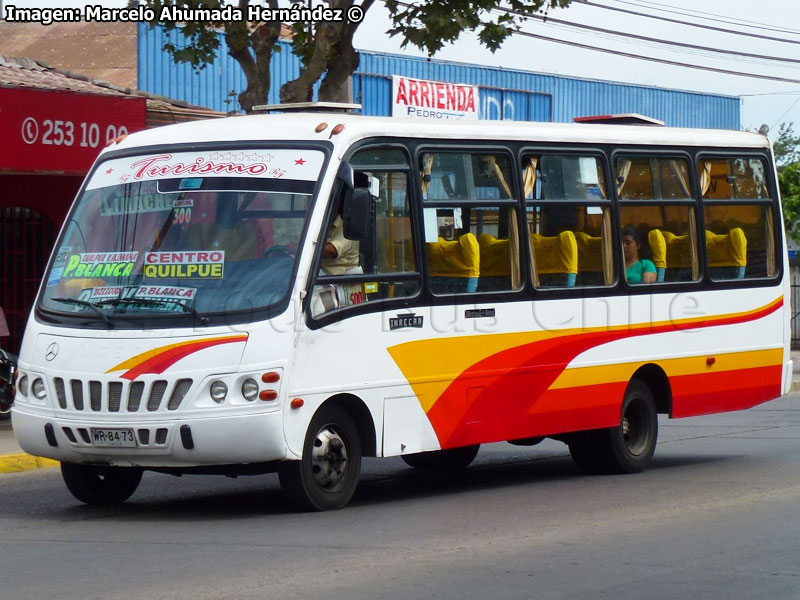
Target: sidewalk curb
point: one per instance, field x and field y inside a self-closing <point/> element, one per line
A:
<point x="20" y="461"/>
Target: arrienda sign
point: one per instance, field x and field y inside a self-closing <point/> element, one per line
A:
<point x="62" y="132"/>
<point x="433" y="99"/>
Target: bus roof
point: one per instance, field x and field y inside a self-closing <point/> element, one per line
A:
<point x="302" y="127"/>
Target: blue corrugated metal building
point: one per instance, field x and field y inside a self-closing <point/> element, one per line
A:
<point x="504" y="93"/>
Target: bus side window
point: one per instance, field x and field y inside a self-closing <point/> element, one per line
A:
<point x="656" y="203"/>
<point x="739" y="218"/>
<point x="386" y="254"/>
<point x="471" y="230"/>
<point x="568" y="214"/>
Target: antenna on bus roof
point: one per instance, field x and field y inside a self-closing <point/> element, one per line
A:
<point x="624" y="119"/>
<point x="308" y="107"/>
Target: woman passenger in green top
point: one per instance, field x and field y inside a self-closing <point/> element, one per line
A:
<point x="637" y="270"/>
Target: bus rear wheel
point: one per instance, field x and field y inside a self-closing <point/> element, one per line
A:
<point x="452" y="459"/>
<point x="327" y="475"/>
<point x="626" y="448"/>
<point x="100" y="485"/>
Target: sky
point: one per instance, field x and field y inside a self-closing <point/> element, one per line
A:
<point x="762" y="101"/>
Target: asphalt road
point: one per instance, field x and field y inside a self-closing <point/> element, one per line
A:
<point x="716" y="516"/>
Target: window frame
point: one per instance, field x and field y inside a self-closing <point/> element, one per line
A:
<point x="315" y="279"/>
<point x="137" y="321"/>
<point x="773" y="201"/>
<point x="516" y="149"/>
<point x="692" y="201"/>
<point x="468" y="148"/>
<point x="607" y="201"/>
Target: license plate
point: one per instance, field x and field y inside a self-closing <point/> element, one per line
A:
<point x="113" y="438"/>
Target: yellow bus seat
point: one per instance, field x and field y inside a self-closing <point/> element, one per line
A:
<point x="454" y="266"/>
<point x="590" y="251"/>
<point x="727" y="254"/>
<point x="658" y="251"/>
<point x="556" y="255"/>
<point x="495" y="267"/>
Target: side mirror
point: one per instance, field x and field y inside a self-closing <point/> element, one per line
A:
<point x="356" y="214"/>
<point x="345" y="174"/>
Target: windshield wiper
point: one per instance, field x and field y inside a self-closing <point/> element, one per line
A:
<point x="90" y="305"/>
<point x="150" y="302"/>
<point x="190" y="309"/>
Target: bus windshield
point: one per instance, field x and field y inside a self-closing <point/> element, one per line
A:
<point x="193" y="232"/>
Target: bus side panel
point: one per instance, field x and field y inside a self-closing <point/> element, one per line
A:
<point x="724" y="391"/>
<point x="515" y="385"/>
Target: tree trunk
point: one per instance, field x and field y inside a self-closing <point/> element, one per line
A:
<point x="256" y="70"/>
<point x="342" y="64"/>
<point x="325" y="39"/>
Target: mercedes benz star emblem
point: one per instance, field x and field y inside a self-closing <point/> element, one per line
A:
<point x="52" y="351"/>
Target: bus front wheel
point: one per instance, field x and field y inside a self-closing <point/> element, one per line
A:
<point x="626" y="448"/>
<point x="100" y="485"/>
<point x="327" y="475"/>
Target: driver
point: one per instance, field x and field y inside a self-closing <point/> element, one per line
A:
<point x="339" y="255"/>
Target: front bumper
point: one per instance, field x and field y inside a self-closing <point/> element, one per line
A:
<point x="229" y="440"/>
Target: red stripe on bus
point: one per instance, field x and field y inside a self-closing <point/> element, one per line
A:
<point x="499" y="395"/>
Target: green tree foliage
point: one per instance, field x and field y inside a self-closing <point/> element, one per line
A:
<point x="789" y="180"/>
<point x="787" y="145"/>
<point x="431" y="25"/>
<point x="249" y="44"/>
<point x="326" y="48"/>
<point x="787" y="156"/>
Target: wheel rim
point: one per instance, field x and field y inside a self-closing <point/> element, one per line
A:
<point x="636" y="427"/>
<point x="329" y="459"/>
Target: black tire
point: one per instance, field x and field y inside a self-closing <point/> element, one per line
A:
<point x="327" y="475"/>
<point x="452" y="459"/>
<point x="6" y="399"/>
<point x="100" y="485"/>
<point x="626" y="448"/>
<point x="583" y="448"/>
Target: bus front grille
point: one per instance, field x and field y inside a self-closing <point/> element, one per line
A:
<point x="121" y="396"/>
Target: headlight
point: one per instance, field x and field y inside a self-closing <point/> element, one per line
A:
<point x="23" y="385"/>
<point x="218" y="392"/>
<point x="249" y="389"/>
<point x="38" y="388"/>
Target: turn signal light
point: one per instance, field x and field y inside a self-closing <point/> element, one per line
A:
<point x="270" y="377"/>
<point x="267" y="395"/>
<point x="116" y="140"/>
<point x="337" y="130"/>
<point x="296" y="402"/>
<point x="321" y="127"/>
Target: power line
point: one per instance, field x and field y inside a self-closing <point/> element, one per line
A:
<point x="796" y="93"/>
<point x="651" y="39"/>
<point x="687" y="12"/>
<point x="638" y="56"/>
<point x="786" y="113"/>
<point x="654" y="59"/>
<point x="689" y="23"/>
